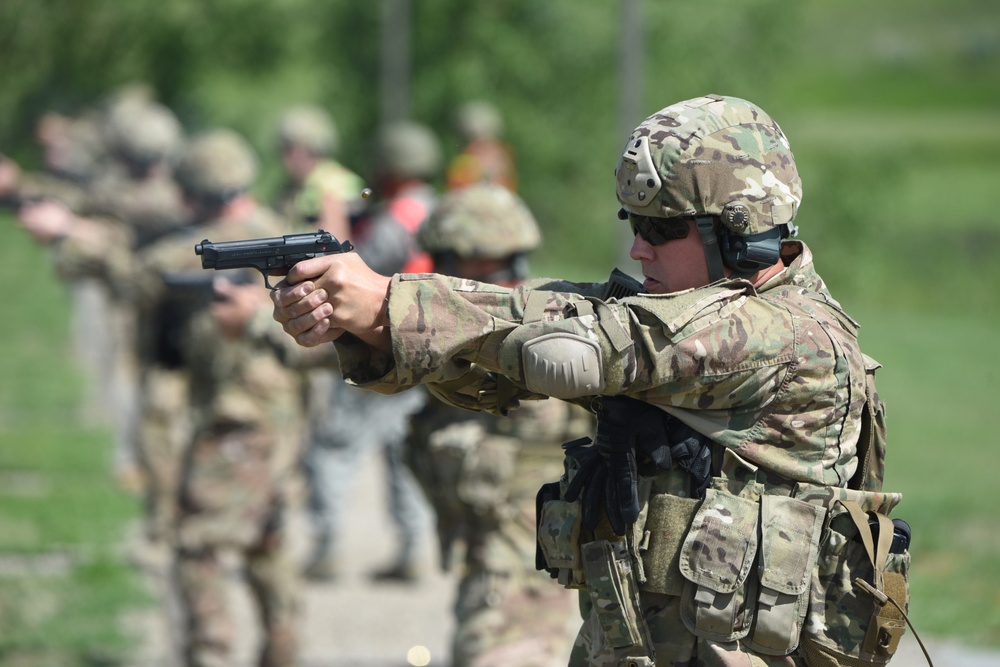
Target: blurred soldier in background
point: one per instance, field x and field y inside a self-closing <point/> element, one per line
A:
<point x="238" y="462"/>
<point x="219" y="428"/>
<point x="143" y="137"/>
<point x="481" y="472"/>
<point x="135" y="187"/>
<point x="72" y="154"/>
<point x="308" y="142"/>
<point x="486" y="158"/>
<point x="353" y="421"/>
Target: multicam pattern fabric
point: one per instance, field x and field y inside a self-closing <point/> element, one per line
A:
<point x="236" y="466"/>
<point x="151" y="207"/>
<point x="674" y="645"/>
<point x="679" y="161"/>
<point x="481" y="474"/>
<point x="773" y="374"/>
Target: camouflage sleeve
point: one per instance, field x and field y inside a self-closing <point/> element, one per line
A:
<point x="714" y="350"/>
<point x="105" y="252"/>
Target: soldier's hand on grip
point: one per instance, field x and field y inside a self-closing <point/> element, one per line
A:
<point x="322" y="298"/>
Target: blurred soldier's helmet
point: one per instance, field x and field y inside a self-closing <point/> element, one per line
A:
<point x="711" y="156"/>
<point x="311" y="127"/>
<point x="479" y="120"/>
<point x="144" y="133"/>
<point x="217" y="165"/>
<point x="480" y="221"/>
<point x="408" y="150"/>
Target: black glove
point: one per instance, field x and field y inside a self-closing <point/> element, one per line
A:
<point x="608" y="476"/>
<point x="691" y="452"/>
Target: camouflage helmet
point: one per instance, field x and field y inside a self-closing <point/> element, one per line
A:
<point x="408" y="150"/>
<point x="144" y="133"/>
<point x="218" y="164"/>
<point x="711" y="156"/>
<point x="479" y="120"/>
<point x="479" y="222"/>
<point x="311" y="127"/>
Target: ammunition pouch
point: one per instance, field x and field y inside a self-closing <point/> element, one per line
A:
<point x="858" y="564"/>
<point x="749" y="565"/>
<point x="608" y="568"/>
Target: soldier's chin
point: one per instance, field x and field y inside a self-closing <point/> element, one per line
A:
<point x="653" y="286"/>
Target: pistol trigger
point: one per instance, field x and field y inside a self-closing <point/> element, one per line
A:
<point x="267" y="283"/>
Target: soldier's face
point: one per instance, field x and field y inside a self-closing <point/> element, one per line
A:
<point x="673" y="265"/>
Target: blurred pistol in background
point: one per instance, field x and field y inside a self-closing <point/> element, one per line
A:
<point x="277" y="254"/>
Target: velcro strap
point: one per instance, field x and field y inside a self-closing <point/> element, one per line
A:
<point x="612" y="328"/>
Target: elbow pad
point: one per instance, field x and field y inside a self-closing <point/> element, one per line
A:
<point x="563" y="365"/>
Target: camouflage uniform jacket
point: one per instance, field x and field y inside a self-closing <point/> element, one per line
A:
<point x="772" y="374"/>
<point x="235" y="383"/>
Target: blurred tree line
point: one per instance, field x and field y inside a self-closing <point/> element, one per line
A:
<point x="549" y="66"/>
<point x="552" y="68"/>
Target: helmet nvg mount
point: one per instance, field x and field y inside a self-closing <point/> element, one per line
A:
<point x="715" y="158"/>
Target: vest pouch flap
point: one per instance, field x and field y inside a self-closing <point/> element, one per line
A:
<point x="716" y="559"/>
<point x="790" y="534"/>
<point x="722" y="542"/>
<point x="559" y="534"/>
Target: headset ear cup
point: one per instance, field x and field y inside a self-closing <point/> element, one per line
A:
<point x="749" y="254"/>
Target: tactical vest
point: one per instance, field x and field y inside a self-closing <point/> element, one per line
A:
<point x="749" y="560"/>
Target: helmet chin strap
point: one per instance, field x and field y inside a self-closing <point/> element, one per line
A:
<point x="710" y="241"/>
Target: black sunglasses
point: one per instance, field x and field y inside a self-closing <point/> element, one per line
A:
<point x="655" y="231"/>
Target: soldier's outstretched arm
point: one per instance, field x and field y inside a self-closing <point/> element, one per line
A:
<point x="320" y="299"/>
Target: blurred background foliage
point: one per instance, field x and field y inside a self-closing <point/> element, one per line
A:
<point x="892" y="109"/>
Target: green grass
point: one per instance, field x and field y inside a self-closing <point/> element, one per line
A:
<point x="940" y="381"/>
<point x="63" y="584"/>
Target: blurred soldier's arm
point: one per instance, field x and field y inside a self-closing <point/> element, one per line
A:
<point x="93" y="246"/>
<point x="10" y="174"/>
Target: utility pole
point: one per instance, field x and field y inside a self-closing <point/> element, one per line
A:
<point x="630" y="58"/>
<point x="394" y="79"/>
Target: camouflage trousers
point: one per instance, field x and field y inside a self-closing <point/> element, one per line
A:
<point x="506" y="611"/>
<point x="164" y="431"/>
<point x="230" y="500"/>
<point x="500" y="622"/>
<point x="675" y="646"/>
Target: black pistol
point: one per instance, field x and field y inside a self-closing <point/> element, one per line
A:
<point x="275" y="254"/>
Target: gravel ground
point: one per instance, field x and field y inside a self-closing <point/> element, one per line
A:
<point x="354" y="622"/>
